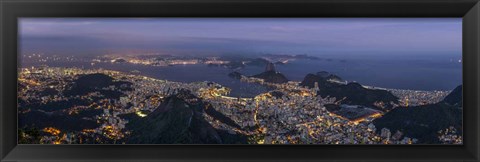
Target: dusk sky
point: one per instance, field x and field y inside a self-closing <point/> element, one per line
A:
<point x="313" y="36"/>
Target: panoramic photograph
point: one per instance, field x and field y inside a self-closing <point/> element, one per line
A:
<point x="285" y="81"/>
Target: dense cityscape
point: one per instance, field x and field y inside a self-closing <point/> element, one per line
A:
<point x="288" y="114"/>
<point x="326" y="81"/>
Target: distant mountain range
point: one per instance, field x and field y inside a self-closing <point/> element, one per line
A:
<point x="423" y="122"/>
<point x="300" y="56"/>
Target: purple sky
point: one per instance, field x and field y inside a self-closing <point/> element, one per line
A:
<point x="313" y="36"/>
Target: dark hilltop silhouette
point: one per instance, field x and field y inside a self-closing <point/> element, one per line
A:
<point x="179" y="120"/>
<point x="351" y="93"/>
<point x="270" y="75"/>
<point x="423" y="122"/>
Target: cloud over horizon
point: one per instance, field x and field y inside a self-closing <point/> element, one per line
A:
<point x="242" y="35"/>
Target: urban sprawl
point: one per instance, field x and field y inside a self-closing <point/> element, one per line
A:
<point x="299" y="117"/>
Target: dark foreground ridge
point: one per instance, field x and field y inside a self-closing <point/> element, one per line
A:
<point x="179" y="120"/>
<point x="455" y="97"/>
<point x="424" y="122"/>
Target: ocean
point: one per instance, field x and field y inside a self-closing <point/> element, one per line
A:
<point x="432" y="74"/>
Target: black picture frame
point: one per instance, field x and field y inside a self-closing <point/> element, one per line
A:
<point x="11" y="10"/>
